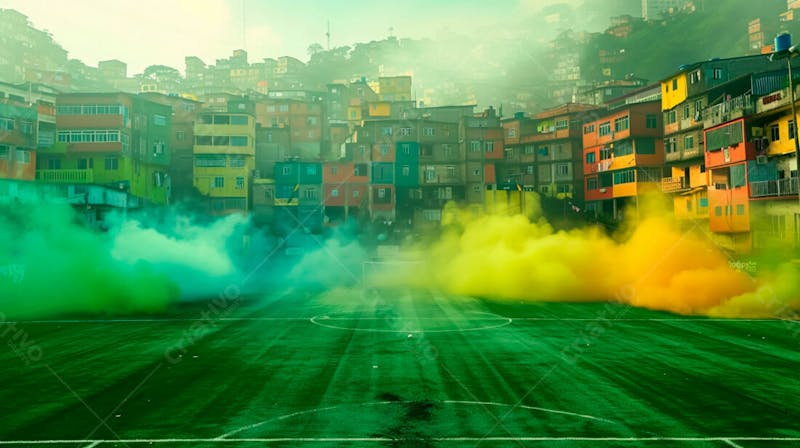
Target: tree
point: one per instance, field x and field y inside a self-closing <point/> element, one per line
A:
<point x="314" y="49"/>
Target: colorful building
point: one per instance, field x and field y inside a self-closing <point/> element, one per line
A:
<point x="623" y="157"/>
<point x="224" y="159"/>
<point x="116" y="140"/>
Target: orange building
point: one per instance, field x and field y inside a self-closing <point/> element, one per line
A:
<point x="623" y="157"/>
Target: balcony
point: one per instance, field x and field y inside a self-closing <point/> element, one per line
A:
<point x="65" y="176"/>
<point x="767" y="188"/>
<point x="674" y="184"/>
<point x="728" y="110"/>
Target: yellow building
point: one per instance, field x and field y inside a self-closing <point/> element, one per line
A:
<point x="394" y="88"/>
<point x="224" y="158"/>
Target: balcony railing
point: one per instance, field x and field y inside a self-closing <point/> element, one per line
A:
<point x="674" y="184"/>
<point x="65" y="176"/>
<point x="781" y="187"/>
<point x="728" y="110"/>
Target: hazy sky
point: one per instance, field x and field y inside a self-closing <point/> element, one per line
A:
<point x="145" y="32"/>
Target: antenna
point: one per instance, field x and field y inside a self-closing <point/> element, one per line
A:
<point x="244" y="27"/>
<point x="328" y="35"/>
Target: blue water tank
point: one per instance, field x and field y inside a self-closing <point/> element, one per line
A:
<point x="783" y="41"/>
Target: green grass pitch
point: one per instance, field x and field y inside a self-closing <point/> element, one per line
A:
<point x="399" y="367"/>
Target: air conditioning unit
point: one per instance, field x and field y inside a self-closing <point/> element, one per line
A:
<point x="761" y="160"/>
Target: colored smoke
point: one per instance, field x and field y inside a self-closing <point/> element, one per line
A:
<point x="652" y="264"/>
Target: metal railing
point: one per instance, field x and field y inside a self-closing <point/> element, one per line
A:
<point x="781" y="187"/>
<point x="65" y="176"/>
<point x="674" y="184"/>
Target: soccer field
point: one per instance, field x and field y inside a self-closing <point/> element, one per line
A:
<point x="400" y="367"/>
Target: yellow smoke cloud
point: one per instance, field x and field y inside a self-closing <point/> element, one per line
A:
<point x="652" y="264"/>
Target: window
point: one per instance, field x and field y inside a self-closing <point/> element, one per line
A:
<point x="449" y="151"/>
<point x="310" y="194"/>
<point x="311" y="170"/>
<point x="362" y="149"/>
<point x="544" y="151"/>
<point x="406" y="170"/>
<point x="83" y="164"/>
<point x="180" y="136"/>
<point x="360" y="169"/>
<point x="687" y="112"/>
<point x="475" y="146"/>
<point x="335" y="193"/>
<point x="688" y="142"/>
<point x="384" y="149"/>
<point x="386" y="130"/>
<point x="430" y="173"/>
<point x="209" y="160"/>
<point x="675" y="84"/>
<point x="283" y="108"/>
<point x="381" y="193"/>
<point x="621" y="124"/>
<point x="740" y="209"/>
<point x="563" y="188"/>
<point x="591" y="157"/>
<point x="405" y="131"/>
<point x="222" y="119"/>
<point x="237" y="161"/>
<point x="591" y="183"/>
<point x="605" y="153"/>
<point x="111" y="163"/>
<point x="286" y="170"/>
<point x="432" y="215"/>
<point x="651" y="121"/>
<point x="488" y="146"/>
<point x="623" y="148"/>
<point x="429" y="132"/>
<point x="791" y="129"/>
<point x="604" y="129"/>
<point x="52" y="164"/>
<point x="672" y="116"/>
<point x="588" y="129"/>
<point x="26" y="127"/>
<point x="451" y="172"/>
<point x="529" y="169"/>
<point x="23" y="156"/>
<point x="717" y="211"/>
<point x="624" y="176"/>
<point x="219" y="182"/>
<point x="512" y="132"/>
<point x="159" y="120"/>
<point x="562" y="169"/>
<point x="698" y="109"/>
<point x="6" y="124"/>
<point x="562" y="124"/>
<point x="774" y="133"/>
<point x="528" y="149"/>
<point x="87" y="136"/>
<point x="356" y="193"/>
<point x="717" y="73"/>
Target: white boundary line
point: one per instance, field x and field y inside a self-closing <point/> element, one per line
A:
<point x="462" y="402"/>
<point x="386" y="439"/>
<point x="272" y="319"/>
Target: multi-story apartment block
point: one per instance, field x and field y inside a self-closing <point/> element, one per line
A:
<point x="623" y="157"/>
<point x="224" y="158"/>
<point x="181" y="141"/>
<point x="117" y="140"/>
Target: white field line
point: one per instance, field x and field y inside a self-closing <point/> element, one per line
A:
<point x="386" y="439"/>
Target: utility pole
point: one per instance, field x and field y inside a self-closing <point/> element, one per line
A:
<point x="328" y="36"/>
